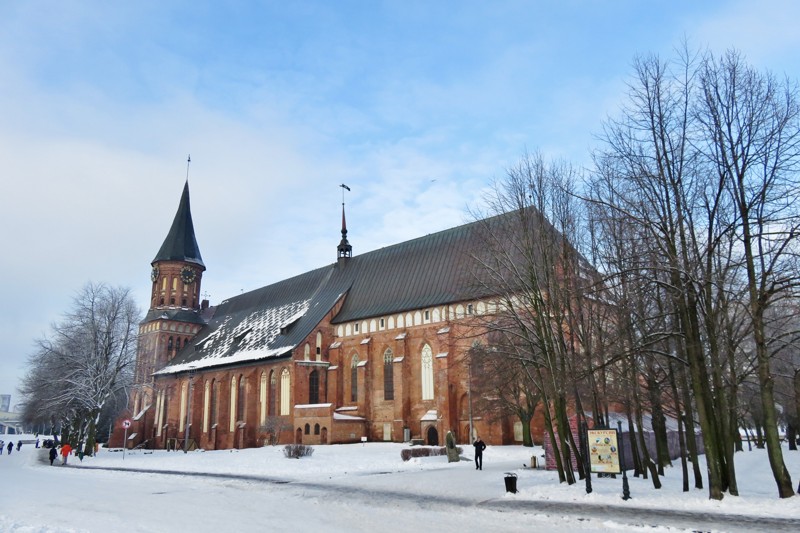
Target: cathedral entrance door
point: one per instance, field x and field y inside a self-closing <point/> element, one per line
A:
<point x="433" y="436"/>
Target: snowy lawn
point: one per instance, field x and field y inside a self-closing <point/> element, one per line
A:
<point x="39" y="498"/>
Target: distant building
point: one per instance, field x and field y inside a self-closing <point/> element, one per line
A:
<point x="5" y="403"/>
<point x="369" y="346"/>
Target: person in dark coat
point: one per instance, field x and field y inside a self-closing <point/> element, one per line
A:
<point x="479" y="447"/>
<point x="10" y="447"/>
<point x="53" y="455"/>
<point x="19" y="445"/>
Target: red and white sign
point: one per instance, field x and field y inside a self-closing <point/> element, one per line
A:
<point x="126" y="423"/>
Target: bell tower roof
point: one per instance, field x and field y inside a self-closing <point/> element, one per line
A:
<point x="180" y="244"/>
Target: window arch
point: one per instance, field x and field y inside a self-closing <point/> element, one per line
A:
<point x="184" y="403"/>
<point x="214" y="402"/>
<point x="388" y="374"/>
<point x="354" y="379"/>
<point x="206" y="405"/>
<point x="262" y="399"/>
<point x="232" y="405"/>
<point x="240" y="399"/>
<point x="313" y="387"/>
<point x="307" y="429"/>
<point x="319" y="346"/>
<point x="306" y="352"/>
<point x="271" y="393"/>
<point x="316" y="429"/>
<point x="285" y="392"/>
<point x="426" y="362"/>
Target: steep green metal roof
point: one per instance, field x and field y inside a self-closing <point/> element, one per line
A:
<point x="180" y="244"/>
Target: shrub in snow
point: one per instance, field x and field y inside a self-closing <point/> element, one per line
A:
<point x="428" y="451"/>
<point x="296" y="451"/>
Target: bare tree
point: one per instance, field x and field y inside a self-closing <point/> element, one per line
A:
<point x="86" y="362"/>
<point x="751" y="127"/>
<point x="530" y="262"/>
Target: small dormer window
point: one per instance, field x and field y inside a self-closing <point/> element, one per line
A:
<point x="469" y="309"/>
<point x="427" y="315"/>
<point x="355" y="327"/>
<point x="383" y="323"/>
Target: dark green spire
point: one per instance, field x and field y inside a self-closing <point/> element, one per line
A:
<point x="180" y="244"/>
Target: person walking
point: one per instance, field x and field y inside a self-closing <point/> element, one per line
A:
<point x="479" y="447"/>
<point x="19" y="445"/>
<point x="66" y="449"/>
<point x="10" y="447"/>
<point x="53" y="455"/>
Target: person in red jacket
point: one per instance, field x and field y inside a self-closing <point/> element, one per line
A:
<point x="66" y="449"/>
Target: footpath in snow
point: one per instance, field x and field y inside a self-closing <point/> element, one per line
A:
<point x="332" y="487"/>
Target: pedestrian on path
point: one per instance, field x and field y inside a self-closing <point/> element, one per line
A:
<point x="53" y="455"/>
<point x="10" y="447"/>
<point x="66" y="449"/>
<point x="19" y="444"/>
<point x="479" y="447"/>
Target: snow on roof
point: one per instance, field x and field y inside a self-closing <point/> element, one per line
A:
<point x="430" y="416"/>
<point x="340" y="416"/>
<point x="250" y="339"/>
<point x="311" y="405"/>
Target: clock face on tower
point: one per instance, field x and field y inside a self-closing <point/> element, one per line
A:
<point x="187" y="275"/>
<point x="154" y="274"/>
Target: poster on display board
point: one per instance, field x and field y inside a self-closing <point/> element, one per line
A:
<point x="604" y="451"/>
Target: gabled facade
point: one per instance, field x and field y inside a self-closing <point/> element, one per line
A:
<point x="368" y="347"/>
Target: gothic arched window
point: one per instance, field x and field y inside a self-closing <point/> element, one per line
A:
<point x="313" y="387"/>
<point x="426" y="363"/>
<point x="354" y="379"/>
<point x="388" y="375"/>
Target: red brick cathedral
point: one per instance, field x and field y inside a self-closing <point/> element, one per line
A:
<point x="368" y="347"/>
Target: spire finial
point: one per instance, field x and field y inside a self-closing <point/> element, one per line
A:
<point x="188" y="160"/>
<point x="344" y="249"/>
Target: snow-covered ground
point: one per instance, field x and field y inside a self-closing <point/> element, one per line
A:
<point x="359" y="487"/>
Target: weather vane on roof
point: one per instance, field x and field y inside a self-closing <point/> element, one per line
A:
<point x="343" y="186"/>
<point x="188" y="160"/>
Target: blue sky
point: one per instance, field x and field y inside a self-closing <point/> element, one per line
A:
<point x="415" y="105"/>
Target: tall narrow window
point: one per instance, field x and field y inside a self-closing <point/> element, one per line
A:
<point x="206" y="404"/>
<point x="262" y="399"/>
<point x="184" y="403"/>
<point x="214" y="402"/>
<point x="306" y="352"/>
<point x="427" y="373"/>
<point x="240" y="399"/>
<point x="388" y="374"/>
<point x="271" y="393"/>
<point x="313" y="387"/>
<point x="319" y="346"/>
<point x="232" y="405"/>
<point x="354" y="379"/>
<point x="285" y="392"/>
<point x="159" y="412"/>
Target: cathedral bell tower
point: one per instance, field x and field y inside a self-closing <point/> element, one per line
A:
<point x="174" y="318"/>
<point x="178" y="267"/>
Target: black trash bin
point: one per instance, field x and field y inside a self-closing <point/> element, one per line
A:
<point x="511" y="482"/>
